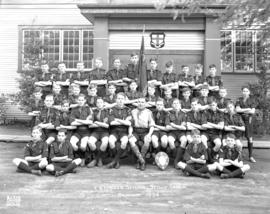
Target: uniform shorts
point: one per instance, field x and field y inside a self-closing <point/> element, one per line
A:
<point x="232" y="168"/>
<point x="119" y="132"/>
<point x="176" y="134"/>
<point x="140" y="133"/>
<point x="99" y="134"/>
<point x="196" y="166"/>
<point x="82" y="132"/>
<point x="248" y="127"/>
<point x="60" y="165"/>
<point x="159" y="134"/>
<point x="33" y="165"/>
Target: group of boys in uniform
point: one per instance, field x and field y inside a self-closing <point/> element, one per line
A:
<point x="83" y="117"/>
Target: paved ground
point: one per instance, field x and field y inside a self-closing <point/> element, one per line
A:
<point x="127" y="190"/>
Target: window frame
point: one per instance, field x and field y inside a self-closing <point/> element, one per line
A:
<point x="255" y="34"/>
<point x="61" y="28"/>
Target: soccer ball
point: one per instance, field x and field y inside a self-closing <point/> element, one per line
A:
<point x="162" y="160"/>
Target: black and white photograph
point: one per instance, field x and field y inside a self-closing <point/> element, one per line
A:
<point x="134" y="106"/>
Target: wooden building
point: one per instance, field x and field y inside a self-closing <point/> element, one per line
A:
<point x="85" y="29"/>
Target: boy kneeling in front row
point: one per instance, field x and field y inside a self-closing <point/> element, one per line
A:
<point x="195" y="158"/>
<point x="230" y="161"/>
<point x="35" y="154"/>
<point x="61" y="154"/>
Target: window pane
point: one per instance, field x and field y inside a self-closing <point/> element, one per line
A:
<point x="51" y="52"/>
<point x="262" y="51"/>
<point x="71" y="48"/>
<point x="87" y="48"/>
<point x="31" y="43"/>
<point x="226" y="51"/>
<point x="244" y="55"/>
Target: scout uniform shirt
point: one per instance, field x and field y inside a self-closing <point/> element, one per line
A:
<point x="230" y="153"/>
<point x="195" y="150"/>
<point x="33" y="149"/>
<point x="214" y="81"/>
<point x="196" y="117"/>
<point x="185" y="104"/>
<point x="115" y="74"/>
<point x="62" y="77"/>
<point x="233" y="120"/>
<point x="131" y="71"/>
<point x="214" y="117"/>
<point x="168" y="102"/>
<point x="44" y="77"/>
<point x="154" y="75"/>
<point x="160" y="117"/>
<point x="170" y="78"/>
<point x="101" y="115"/>
<point x="176" y="117"/>
<point x="91" y="101"/>
<point x="249" y="103"/>
<point x="81" y="76"/>
<point x="110" y="98"/>
<point x="80" y="112"/>
<point x="48" y="115"/>
<point x="99" y="74"/>
<point x="198" y="80"/>
<point x="59" y="149"/>
<point x="73" y="99"/>
<point x="222" y="102"/>
<point x="120" y="113"/>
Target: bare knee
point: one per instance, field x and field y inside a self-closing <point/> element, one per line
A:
<point x="43" y="163"/>
<point x="245" y="168"/>
<point x="124" y="142"/>
<point x="183" y="141"/>
<point x="112" y="140"/>
<point x="50" y="167"/>
<point x="182" y="165"/>
<point x="84" y="143"/>
<point x="77" y="161"/>
<point x="17" y="161"/>
<point x="104" y="144"/>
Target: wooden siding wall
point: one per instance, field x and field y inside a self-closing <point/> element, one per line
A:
<point x="185" y="40"/>
<point x="234" y="83"/>
<point x="12" y="17"/>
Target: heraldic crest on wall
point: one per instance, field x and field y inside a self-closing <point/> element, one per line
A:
<point x="157" y="40"/>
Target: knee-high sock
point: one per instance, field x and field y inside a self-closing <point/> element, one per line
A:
<point x="24" y="167"/>
<point x="204" y="169"/>
<point x="156" y="150"/>
<point x="97" y="154"/>
<point x="250" y="148"/>
<point x="118" y="154"/>
<point x="35" y="167"/>
<point x="179" y="154"/>
<point x="235" y="173"/>
<point x="69" y="168"/>
<point x="209" y="155"/>
<point x="144" y="150"/>
<point x="226" y="171"/>
<point x="136" y="151"/>
<point x="192" y="171"/>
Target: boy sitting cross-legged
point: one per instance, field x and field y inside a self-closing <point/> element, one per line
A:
<point x="195" y="158"/>
<point x="230" y="160"/>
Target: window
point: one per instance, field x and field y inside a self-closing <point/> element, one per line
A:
<point x="67" y="45"/>
<point x="243" y="51"/>
<point x="244" y="54"/>
<point x="263" y="51"/>
<point x="226" y="51"/>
